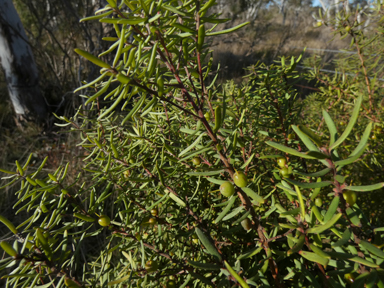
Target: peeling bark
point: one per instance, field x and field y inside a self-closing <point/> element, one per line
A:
<point x="19" y="66"/>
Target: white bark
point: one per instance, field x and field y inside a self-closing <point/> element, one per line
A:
<point x="19" y="66"/>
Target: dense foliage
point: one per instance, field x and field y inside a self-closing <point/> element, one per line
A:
<point x="195" y="184"/>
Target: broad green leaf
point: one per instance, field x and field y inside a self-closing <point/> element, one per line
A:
<point x="226" y="209"/>
<point x="92" y="58"/>
<point x="204" y="266"/>
<point x="359" y="150"/>
<point x="314" y="258"/>
<point x="233" y="213"/>
<point x="344" y="239"/>
<point x="315" y="174"/>
<point x="309" y="185"/>
<point x="327" y="225"/>
<point x="256" y="197"/>
<point x="372" y="249"/>
<point x="216" y="181"/>
<point x="332" y="209"/>
<point x="331" y="127"/>
<point x="350" y="125"/>
<point x="236" y="276"/>
<point x="207" y="244"/>
<point x="226" y="31"/>
<point x="177" y="199"/>
<point x="250" y="253"/>
<point x="207" y="173"/>
<point x="289" y="150"/>
<point x="366" y="188"/>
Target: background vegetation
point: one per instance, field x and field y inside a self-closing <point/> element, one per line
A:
<point x="301" y="91"/>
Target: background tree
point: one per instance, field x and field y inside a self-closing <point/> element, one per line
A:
<point x="19" y="66"/>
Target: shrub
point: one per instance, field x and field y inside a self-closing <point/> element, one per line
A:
<point x="162" y="139"/>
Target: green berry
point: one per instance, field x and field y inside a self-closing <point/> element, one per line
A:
<point x="247" y="224"/>
<point x="207" y="116"/>
<point x="281" y="162"/>
<point x="318" y="202"/>
<point x="171" y="284"/>
<point x="240" y="179"/>
<point x="152" y="221"/>
<point x="154" y="212"/>
<point x="285" y="172"/>
<point x="196" y="161"/>
<point x="104" y="220"/>
<point x="151" y="266"/>
<point x="227" y="189"/>
<point x="350" y="197"/>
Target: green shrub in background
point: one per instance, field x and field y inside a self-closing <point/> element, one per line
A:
<point x="193" y="184"/>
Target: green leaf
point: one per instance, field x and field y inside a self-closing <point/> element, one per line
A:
<point x="226" y="209"/>
<point x="332" y="209"/>
<point x="207" y="173"/>
<point x="233" y="213"/>
<point x="92" y="58"/>
<point x="350" y="125"/>
<point x="309" y="185"/>
<point x="289" y="150"/>
<point x="327" y="225"/>
<point x="216" y="181"/>
<point x="372" y="249"/>
<point x="331" y="127"/>
<point x="236" y="276"/>
<point x="250" y="253"/>
<point x="132" y="21"/>
<point x="353" y="216"/>
<point x="177" y="199"/>
<point x="315" y="174"/>
<point x="248" y="161"/>
<point x="359" y="150"/>
<point x="366" y="188"/>
<point x="309" y="135"/>
<point x="204" y="266"/>
<point x="207" y="244"/>
<point x="226" y="31"/>
<point x="256" y="197"/>
<point x="314" y="258"/>
<point x="344" y="239"/>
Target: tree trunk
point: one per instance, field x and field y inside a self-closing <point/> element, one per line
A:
<point x="19" y="66"/>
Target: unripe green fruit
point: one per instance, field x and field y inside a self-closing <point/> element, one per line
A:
<point x="319" y="23"/>
<point x="154" y="212"/>
<point x="350" y="197"/>
<point x="240" y="179"/>
<point x="227" y="189"/>
<point x="104" y="220"/>
<point x="281" y="162"/>
<point x="151" y="266"/>
<point x="318" y="202"/>
<point x="207" y="116"/>
<point x="291" y="136"/>
<point x="348" y="28"/>
<point x="8" y="248"/>
<point x="285" y="172"/>
<point x="341" y="123"/>
<point x="349" y="278"/>
<point x="247" y="224"/>
<point x="152" y="221"/>
<point x="196" y="161"/>
<point x="195" y="239"/>
<point x="70" y="283"/>
<point x="171" y="284"/>
<point x="373" y="137"/>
